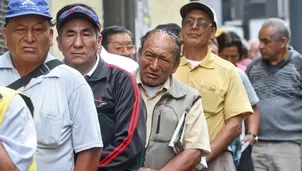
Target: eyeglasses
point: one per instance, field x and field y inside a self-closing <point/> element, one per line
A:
<point x="200" y="23"/>
<point x="129" y="48"/>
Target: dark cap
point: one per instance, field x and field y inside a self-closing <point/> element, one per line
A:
<point x="195" y="5"/>
<point x="79" y="12"/>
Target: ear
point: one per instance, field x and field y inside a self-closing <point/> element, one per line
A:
<point x="51" y="36"/>
<point x="213" y="32"/>
<point x="177" y="62"/>
<point x="59" y="43"/>
<point x="284" y="42"/>
<point x="100" y="39"/>
<point x="4" y="36"/>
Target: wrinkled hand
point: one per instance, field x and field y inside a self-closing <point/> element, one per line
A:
<point x="249" y="138"/>
<point x="146" y="169"/>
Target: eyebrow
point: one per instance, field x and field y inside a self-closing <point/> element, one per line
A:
<point x="73" y="31"/>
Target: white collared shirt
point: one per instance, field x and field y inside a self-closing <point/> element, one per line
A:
<point x="94" y="66"/>
<point x="120" y="61"/>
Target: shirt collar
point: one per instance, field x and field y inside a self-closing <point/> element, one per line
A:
<point x="207" y="62"/>
<point x="171" y="86"/>
<point x="92" y="70"/>
<point x="101" y="70"/>
<point x="6" y="62"/>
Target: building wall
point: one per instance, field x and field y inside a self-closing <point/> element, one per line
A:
<point x="166" y="11"/>
<point x="56" y="5"/>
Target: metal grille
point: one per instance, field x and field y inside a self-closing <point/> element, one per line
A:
<point x="3" y="7"/>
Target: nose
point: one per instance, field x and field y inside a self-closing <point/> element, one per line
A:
<point x="261" y="45"/>
<point x="127" y="53"/>
<point x="195" y="25"/>
<point x="29" y="36"/>
<point x="78" y="42"/>
<point x="154" y="66"/>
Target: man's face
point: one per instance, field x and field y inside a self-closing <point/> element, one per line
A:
<point x="230" y="54"/>
<point x="197" y="28"/>
<point x="121" y="44"/>
<point x="79" y="42"/>
<point x="28" y="38"/>
<point x="269" y="46"/>
<point x="157" y="59"/>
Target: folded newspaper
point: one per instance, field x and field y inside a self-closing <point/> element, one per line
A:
<point x="176" y="141"/>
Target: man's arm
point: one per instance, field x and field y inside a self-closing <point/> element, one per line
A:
<point x="88" y="159"/>
<point x="227" y="135"/>
<point x="17" y="136"/>
<point x="6" y="164"/>
<point x="86" y="135"/>
<point x="236" y="107"/>
<point x="130" y="137"/>
<point x="253" y="122"/>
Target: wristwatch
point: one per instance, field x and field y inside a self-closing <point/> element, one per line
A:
<point x="254" y="135"/>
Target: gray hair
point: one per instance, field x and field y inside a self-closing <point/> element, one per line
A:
<point x="280" y="26"/>
<point x="172" y="36"/>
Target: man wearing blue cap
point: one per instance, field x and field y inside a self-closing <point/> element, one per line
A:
<point x="121" y="110"/>
<point x="65" y="117"/>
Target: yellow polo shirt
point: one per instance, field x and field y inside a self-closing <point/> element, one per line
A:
<point x="220" y="87"/>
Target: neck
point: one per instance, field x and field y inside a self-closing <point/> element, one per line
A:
<point x="24" y="68"/>
<point x="280" y="57"/>
<point x="195" y="53"/>
<point x="83" y="68"/>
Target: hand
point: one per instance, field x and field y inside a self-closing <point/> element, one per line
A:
<point x="249" y="138"/>
<point x="146" y="169"/>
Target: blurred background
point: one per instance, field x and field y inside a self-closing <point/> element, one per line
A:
<point x="245" y="17"/>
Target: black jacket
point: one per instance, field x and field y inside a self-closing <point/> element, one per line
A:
<point x="121" y="114"/>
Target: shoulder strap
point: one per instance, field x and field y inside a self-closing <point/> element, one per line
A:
<point x="42" y="69"/>
<point x="28" y="102"/>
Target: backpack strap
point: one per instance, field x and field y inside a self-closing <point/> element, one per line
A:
<point x="42" y="69"/>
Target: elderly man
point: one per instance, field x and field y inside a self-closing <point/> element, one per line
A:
<point x="277" y="79"/>
<point x="17" y="132"/>
<point x="65" y="116"/>
<point x="120" y="109"/>
<point x="217" y="82"/>
<point x="118" y="40"/>
<point x="167" y="100"/>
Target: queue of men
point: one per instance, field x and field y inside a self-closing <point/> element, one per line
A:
<point x="97" y="110"/>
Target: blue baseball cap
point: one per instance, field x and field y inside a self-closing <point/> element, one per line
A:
<point x="79" y="12"/>
<point x="25" y="7"/>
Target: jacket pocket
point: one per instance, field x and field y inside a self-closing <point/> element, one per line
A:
<point x="49" y="130"/>
<point x="164" y="123"/>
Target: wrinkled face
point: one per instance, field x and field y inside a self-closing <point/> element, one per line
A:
<point x="197" y="28"/>
<point x="230" y="54"/>
<point x="121" y="44"/>
<point x="79" y="42"/>
<point x="28" y="38"/>
<point x="157" y="59"/>
<point x="269" y="46"/>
